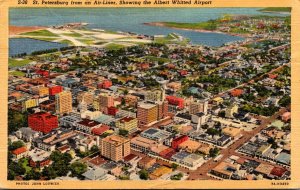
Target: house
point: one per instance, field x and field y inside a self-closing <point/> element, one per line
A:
<point x="286" y="116"/>
<point x="19" y="153"/>
<point x="39" y="158"/>
<point x="218" y="100"/>
<point x="189" y="146"/>
<point x="225" y="170"/>
<point x="146" y="162"/>
<point x="233" y="132"/>
<point x="157" y="173"/>
<point x="264" y="169"/>
<point x="95" y="174"/>
<point x="27" y="134"/>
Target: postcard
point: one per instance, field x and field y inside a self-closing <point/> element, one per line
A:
<point x="142" y="94"/>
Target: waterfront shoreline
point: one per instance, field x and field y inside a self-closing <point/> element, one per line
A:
<point x="162" y="24"/>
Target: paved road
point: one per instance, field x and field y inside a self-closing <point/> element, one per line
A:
<point x="201" y="172"/>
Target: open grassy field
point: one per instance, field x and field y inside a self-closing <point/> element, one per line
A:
<point x="18" y="62"/>
<point x="17" y="73"/>
<point x="209" y="25"/>
<point x="44" y="33"/>
<point x="113" y="46"/>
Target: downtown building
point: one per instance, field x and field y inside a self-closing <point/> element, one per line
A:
<point x="42" y="121"/>
<point x="105" y="101"/>
<point x="128" y="123"/>
<point x="150" y="112"/>
<point x="63" y="102"/>
<point x="115" y="147"/>
<point x="198" y="106"/>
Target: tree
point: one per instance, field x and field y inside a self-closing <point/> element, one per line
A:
<point x="17" y="168"/>
<point x="124" y="177"/>
<point x="285" y="101"/>
<point x="123" y="102"/>
<point x="174" y="166"/>
<point x="95" y="148"/>
<point x="61" y="162"/>
<point x="177" y="176"/>
<point x="33" y="175"/>
<point x="15" y="145"/>
<point x="212" y="131"/>
<point x="49" y="173"/>
<point x="144" y="174"/>
<point x="78" y="168"/>
<point x="11" y="175"/>
<point x="123" y="132"/>
<point x="16" y="120"/>
<point x="213" y="152"/>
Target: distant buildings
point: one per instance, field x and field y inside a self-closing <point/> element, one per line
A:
<point x="105" y="84"/>
<point x="173" y="100"/>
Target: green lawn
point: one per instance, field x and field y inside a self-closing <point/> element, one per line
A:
<point x="87" y="41"/>
<point x="18" y="63"/>
<point x="209" y="25"/>
<point x="45" y="39"/>
<point x="73" y="34"/>
<point x="25" y="164"/>
<point x="114" y="46"/>
<point x="17" y="73"/>
<point x="40" y="33"/>
<point x="152" y="58"/>
<point x="66" y="42"/>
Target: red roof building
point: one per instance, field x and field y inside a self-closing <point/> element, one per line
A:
<point x="183" y="72"/>
<point x="173" y="100"/>
<point x="144" y="66"/>
<point x="42" y="121"/>
<point x="177" y="141"/>
<point x="19" y="150"/>
<point x="112" y="110"/>
<point x="55" y="89"/>
<point x="105" y="84"/>
<point x="273" y="76"/>
<point x="167" y="153"/>
<point x="236" y="92"/>
<point x="279" y="172"/>
<point x="100" y="130"/>
<point x="42" y="73"/>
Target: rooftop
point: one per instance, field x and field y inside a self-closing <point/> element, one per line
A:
<point x="264" y="168"/>
<point x="89" y="123"/>
<point x="115" y="139"/>
<point x="38" y="155"/>
<point x="146" y="105"/>
<point x="126" y="119"/>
